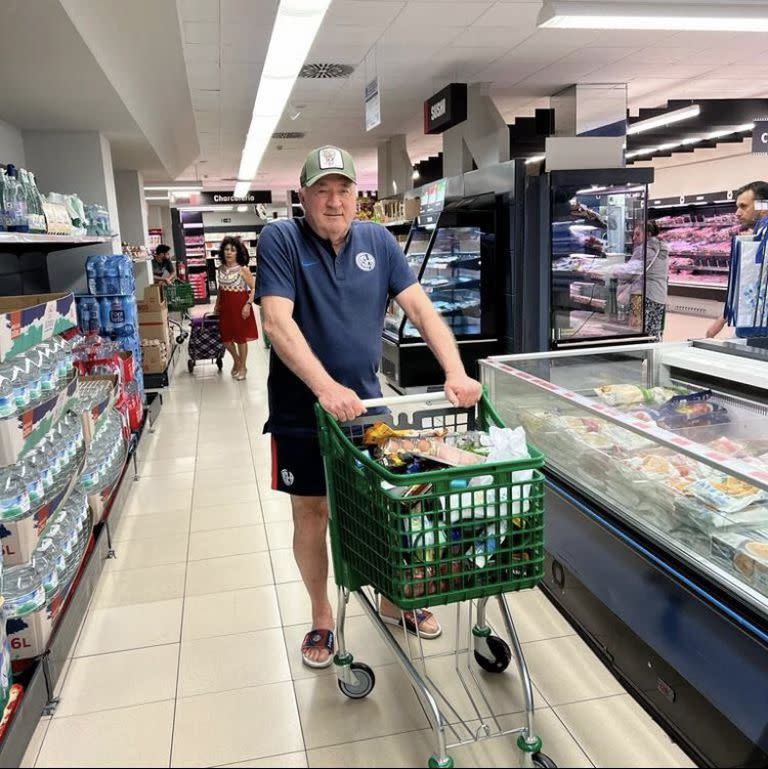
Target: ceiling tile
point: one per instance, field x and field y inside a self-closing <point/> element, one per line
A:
<point x="202" y="52"/>
<point x="364" y="14"/>
<point x="251" y="14"/>
<point x="455" y="14"/>
<point x="495" y="36"/>
<point x="207" y="121"/>
<point x="399" y="35"/>
<point x="519" y="15"/>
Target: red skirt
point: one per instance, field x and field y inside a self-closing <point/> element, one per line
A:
<point x="231" y="324"/>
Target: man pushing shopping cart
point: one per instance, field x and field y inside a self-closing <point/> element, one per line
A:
<point x="324" y="282"/>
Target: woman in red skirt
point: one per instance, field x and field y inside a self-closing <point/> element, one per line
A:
<point x="234" y="303"/>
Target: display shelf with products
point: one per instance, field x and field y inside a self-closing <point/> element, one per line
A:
<point x="657" y="468"/>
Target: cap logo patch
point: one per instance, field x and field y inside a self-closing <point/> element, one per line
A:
<point x="330" y="157"/>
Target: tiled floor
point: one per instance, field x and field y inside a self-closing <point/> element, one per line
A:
<point x="189" y="655"/>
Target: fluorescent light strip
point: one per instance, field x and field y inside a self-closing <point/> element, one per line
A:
<point x="173" y="189"/>
<point x="619" y="14"/>
<point x="296" y="26"/>
<point x="686" y="142"/>
<point x="157" y="197"/>
<point x="535" y="159"/>
<point x="660" y="121"/>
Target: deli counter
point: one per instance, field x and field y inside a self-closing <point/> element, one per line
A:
<point x="657" y="524"/>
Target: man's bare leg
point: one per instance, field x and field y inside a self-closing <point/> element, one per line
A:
<point x="310" y="523"/>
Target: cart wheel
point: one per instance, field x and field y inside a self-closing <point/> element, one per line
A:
<point x="435" y="764"/>
<point x="502" y="655"/>
<point x="544" y="761"/>
<point x="366" y="680"/>
<point x="190" y="365"/>
<point x="219" y="364"/>
<point x="180" y="338"/>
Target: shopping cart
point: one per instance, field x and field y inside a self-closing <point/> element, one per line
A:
<point x="180" y="298"/>
<point x="205" y="341"/>
<point x="466" y="534"/>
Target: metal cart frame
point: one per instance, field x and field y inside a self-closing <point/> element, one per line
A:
<point x="355" y="491"/>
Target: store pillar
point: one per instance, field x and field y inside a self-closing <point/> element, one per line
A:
<point x="395" y="169"/>
<point x="68" y="162"/>
<point x="590" y="127"/>
<point x="132" y="207"/>
<point x="483" y="137"/>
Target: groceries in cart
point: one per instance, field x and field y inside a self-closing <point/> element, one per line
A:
<point x="465" y="527"/>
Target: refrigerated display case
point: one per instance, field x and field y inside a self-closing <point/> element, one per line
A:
<point x="584" y="257"/>
<point x="461" y="259"/>
<point x="657" y="524"/>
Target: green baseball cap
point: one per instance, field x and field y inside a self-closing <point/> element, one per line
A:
<point x="325" y="161"/>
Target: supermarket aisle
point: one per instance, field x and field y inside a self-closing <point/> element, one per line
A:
<point x="190" y="653"/>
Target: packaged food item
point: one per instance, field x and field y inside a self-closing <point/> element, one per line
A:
<point x="381" y="432"/>
<point x="745" y="552"/>
<point x="725" y="493"/>
<point x="628" y="395"/>
<point x="475" y="442"/>
<point x="727" y="446"/>
<point x="694" y="410"/>
<point x="430" y="448"/>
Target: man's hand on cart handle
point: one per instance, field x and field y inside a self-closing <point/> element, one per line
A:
<point x="340" y="402"/>
<point x="462" y="391"/>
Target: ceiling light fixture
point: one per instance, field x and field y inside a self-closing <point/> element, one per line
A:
<point x="535" y="159"/>
<point x="296" y="25"/>
<point x="666" y="119"/>
<point x="415" y="175"/>
<point x="744" y="128"/>
<point x="620" y="14"/>
<point x="157" y="197"/>
<point x="168" y="188"/>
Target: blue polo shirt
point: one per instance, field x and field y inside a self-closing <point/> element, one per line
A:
<point x="339" y="305"/>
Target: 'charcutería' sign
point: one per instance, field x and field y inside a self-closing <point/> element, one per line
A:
<point x="224" y="197"/>
<point x="760" y="137"/>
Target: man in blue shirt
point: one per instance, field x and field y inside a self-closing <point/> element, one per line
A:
<point x="324" y="282"/>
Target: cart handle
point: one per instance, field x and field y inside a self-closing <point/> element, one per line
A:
<point x="397" y="400"/>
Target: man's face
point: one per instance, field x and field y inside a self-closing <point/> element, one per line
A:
<point x="745" y="209"/>
<point x="330" y="205"/>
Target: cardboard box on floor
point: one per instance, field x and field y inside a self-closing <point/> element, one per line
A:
<point x="153" y="299"/>
<point x="155" y="359"/>
<point x="154" y="325"/>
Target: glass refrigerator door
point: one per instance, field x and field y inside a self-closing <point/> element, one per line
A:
<point x="415" y="251"/>
<point x="598" y="262"/>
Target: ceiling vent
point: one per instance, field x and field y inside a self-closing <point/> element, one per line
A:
<point x="325" y="71"/>
<point x="288" y="135"/>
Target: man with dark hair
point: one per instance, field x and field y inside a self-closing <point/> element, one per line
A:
<point x="162" y="267"/>
<point x="751" y="205"/>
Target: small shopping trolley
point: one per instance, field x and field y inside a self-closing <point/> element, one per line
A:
<point x="180" y="298"/>
<point x="452" y="536"/>
<point x="205" y="341"/>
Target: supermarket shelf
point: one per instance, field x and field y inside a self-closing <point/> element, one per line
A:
<point x="398" y="223"/>
<point x="697" y="284"/>
<point x="28" y="241"/>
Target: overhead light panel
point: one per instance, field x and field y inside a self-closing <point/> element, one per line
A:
<point x="168" y="188"/>
<point x="296" y="25"/>
<point x="668" y="118"/>
<point x="619" y="14"/>
<point x="157" y="197"/>
<point x="535" y="159"/>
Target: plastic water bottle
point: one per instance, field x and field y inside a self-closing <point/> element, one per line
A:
<point x="104" y="312"/>
<point x="125" y="271"/>
<point x="32" y="379"/>
<point x="49" y="565"/>
<point x="16" y="199"/>
<point x="23" y="590"/>
<point x="130" y="315"/>
<point x="46" y="362"/>
<point x="111" y="275"/>
<point x="117" y="316"/>
<point x="14" y="498"/>
<point x="93" y="274"/>
<point x="33" y="480"/>
<point x="7" y="405"/>
<point x="40" y="464"/>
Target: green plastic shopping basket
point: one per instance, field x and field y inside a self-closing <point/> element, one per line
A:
<point x="432" y="538"/>
<point x="180" y="296"/>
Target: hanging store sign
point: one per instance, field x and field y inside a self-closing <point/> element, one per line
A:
<point x="372" y="104"/>
<point x="445" y="109"/>
<point x="432" y="201"/>
<point x="226" y="197"/>
<point x="760" y="138"/>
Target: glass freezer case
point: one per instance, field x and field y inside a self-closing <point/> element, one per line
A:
<point x="456" y="263"/>
<point x="657" y="524"/>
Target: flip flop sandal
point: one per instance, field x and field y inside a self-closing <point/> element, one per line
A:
<point x="317" y="639"/>
<point x="410" y="625"/>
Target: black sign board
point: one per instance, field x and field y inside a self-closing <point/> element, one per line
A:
<point x="760" y="138"/>
<point x="227" y="197"/>
<point x="432" y="201"/>
<point x="445" y="109"/>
